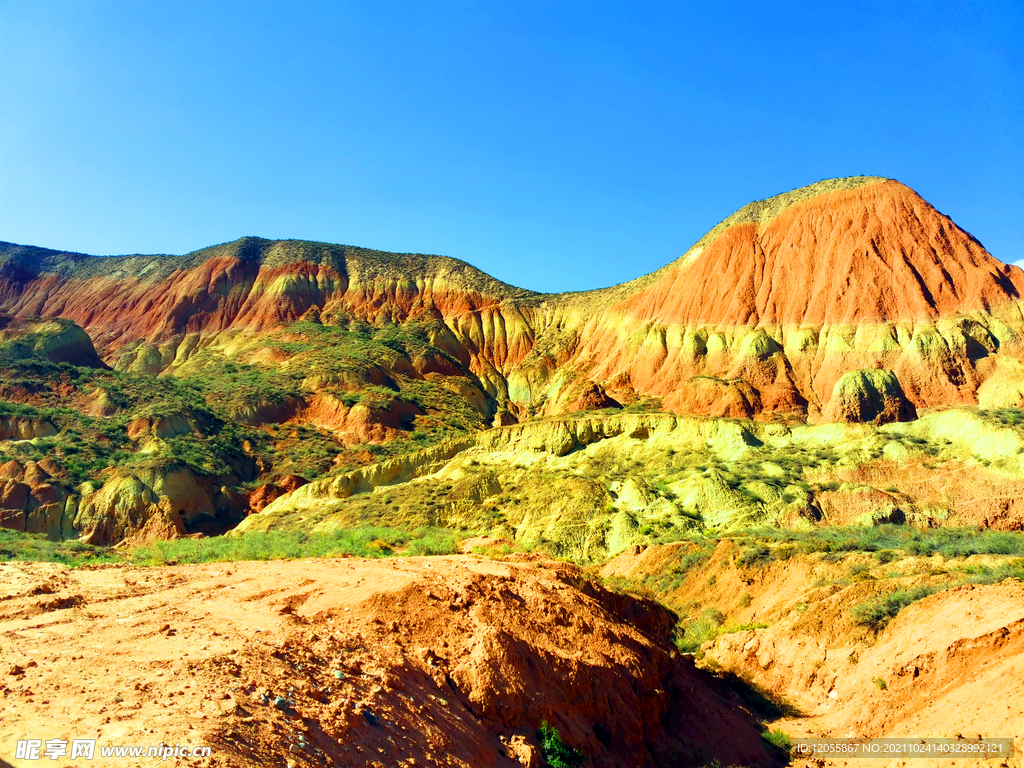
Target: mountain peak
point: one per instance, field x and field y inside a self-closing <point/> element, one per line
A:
<point x="764" y="211"/>
<point x="839" y="251"/>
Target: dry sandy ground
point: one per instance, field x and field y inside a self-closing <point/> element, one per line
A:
<point x="449" y="661"/>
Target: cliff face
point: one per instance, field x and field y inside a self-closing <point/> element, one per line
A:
<point x="762" y="317"/>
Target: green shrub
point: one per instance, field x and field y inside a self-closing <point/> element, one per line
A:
<point x="753" y="555"/>
<point x="555" y="752"/>
<point x="432" y="541"/>
<point x="692" y="635"/>
<point x="778" y="738"/>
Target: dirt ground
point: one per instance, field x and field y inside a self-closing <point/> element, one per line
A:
<point x="448" y="661"/>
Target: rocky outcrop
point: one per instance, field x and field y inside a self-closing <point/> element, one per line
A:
<point x="58" y="340"/>
<point x="161" y="427"/>
<point x="125" y="509"/>
<point x="268" y="492"/>
<point x="873" y="396"/>
<point x="362" y="422"/>
<point x="152" y="500"/>
<point x="33" y="499"/>
<point x="594" y="398"/>
<point x="25" y="428"/>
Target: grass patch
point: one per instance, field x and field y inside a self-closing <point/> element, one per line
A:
<point x="983" y="574"/>
<point x="741" y="628"/>
<point x="369" y="541"/>
<point x="779" y="739"/>
<point x="35" y="547"/>
<point x="885" y="540"/>
<point x="690" y="636"/>
<point x="880" y="611"/>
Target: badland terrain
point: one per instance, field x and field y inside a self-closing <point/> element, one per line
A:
<point x="771" y="488"/>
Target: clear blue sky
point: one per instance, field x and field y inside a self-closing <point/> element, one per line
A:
<point x="556" y="145"/>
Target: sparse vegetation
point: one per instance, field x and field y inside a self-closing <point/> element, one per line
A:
<point x="753" y="555"/>
<point x="368" y="541"/>
<point x="884" y="540"/>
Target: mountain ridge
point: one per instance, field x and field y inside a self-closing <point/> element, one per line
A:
<point x="56" y="260"/>
<point x="764" y="314"/>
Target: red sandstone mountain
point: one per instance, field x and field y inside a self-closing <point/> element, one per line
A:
<point x="776" y="311"/>
<point x="786" y="296"/>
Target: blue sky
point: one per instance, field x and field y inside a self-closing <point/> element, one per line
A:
<point x="557" y="146"/>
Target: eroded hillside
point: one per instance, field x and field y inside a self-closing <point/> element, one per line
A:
<point x="764" y="315"/>
<point x="870" y="633"/>
<point x="589" y="487"/>
<point x="805" y="437"/>
<point x="174" y="395"/>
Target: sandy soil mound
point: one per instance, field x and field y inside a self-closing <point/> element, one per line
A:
<point x="450" y="661"/>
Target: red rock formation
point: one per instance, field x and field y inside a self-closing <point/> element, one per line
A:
<point x="362" y="422"/>
<point x="877" y="252"/>
<point x="265" y="494"/>
<point x="594" y="398"/>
